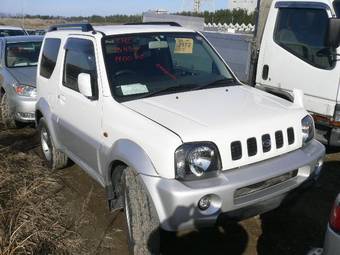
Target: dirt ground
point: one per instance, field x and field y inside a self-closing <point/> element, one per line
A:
<point x="292" y="229"/>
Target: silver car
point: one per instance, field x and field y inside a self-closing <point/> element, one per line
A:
<point x="332" y="240"/>
<point x="18" y="66"/>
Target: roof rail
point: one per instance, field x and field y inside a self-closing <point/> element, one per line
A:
<point x="84" y="27"/>
<point x="169" y="23"/>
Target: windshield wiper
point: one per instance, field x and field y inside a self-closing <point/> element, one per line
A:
<point x="220" y="82"/>
<point x="176" y="88"/>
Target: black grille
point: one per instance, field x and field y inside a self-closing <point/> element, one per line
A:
<point x="279" y="139"/>
<point x="291" y="137"/>
<point x="252" y="146"/>
<point x="266" y="143"/>
<point x="236" y="150"/>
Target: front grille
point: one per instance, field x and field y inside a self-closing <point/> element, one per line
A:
<point x="267" y="143"/>
<point x="245" y="191"/>
<point x="290" y="134"/>
<point x="279" y="139"/>
<point x="236" y="150"/>
<point x="252" y="146"/>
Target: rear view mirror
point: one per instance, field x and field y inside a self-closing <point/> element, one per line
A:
<point x="333" y="37"/>
<point x="158" y="45"/>
<point x="84" y="84"/>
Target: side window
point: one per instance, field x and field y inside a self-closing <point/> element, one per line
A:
<point x="303" y="32"/>
<point x="49" y="57"/>
<point x="79" y="58"/>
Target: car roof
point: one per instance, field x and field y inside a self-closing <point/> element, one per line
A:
<point x="124" y="29"/>
<point x="22" y="38"/>
<point x="11" y="28"/>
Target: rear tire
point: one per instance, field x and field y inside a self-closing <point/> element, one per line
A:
<point x="141" y="217"/>
<point x="7" y="117"/>
<point x="55" y="159"/>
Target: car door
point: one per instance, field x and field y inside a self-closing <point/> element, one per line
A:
<point x="79" y="117"/>
<point x="294" y="54"/>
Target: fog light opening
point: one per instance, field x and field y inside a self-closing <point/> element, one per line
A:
<point x="204" y="203"/>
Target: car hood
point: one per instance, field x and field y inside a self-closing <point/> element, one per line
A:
<point x="24" y="75"/>
<point x="192" y="114"/>
<point x="224" y="116"/>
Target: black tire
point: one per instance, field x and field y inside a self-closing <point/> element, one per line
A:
<point x="55" y="159"/>
<point x="7" y="117"/>
<point x="142" y="221"/>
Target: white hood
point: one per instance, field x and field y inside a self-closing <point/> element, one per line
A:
<point x="224" y="115"/>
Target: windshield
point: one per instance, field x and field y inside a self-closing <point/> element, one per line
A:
<point x="143" y="65"/>
<point x="336" y="5"/>
<point x="22" y="54"/>
<point x="11" y="32"/>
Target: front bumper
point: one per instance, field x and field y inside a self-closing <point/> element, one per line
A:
<point x="177" y="202"/>
<point x="23" y="108"/>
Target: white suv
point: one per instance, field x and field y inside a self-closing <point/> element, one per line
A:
<point x="153" y="113"/>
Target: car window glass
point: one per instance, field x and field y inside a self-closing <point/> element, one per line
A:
<point x="79" y="58"/>
<point x="49" y="57"/>
<point x="303" y="32"/>
<point x="23" y="54"/>
<point x="336" y="5"/>
<point x="11" y="32"/>
<point x="144" y="64"/>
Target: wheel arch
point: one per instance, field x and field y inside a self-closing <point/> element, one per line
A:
<point x="126" y="153"/>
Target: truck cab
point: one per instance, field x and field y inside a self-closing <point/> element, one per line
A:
<point x="295" y="53"/>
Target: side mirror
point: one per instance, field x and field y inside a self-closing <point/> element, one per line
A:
<point x="84" y="84"/>
<point x="333" y="37"/>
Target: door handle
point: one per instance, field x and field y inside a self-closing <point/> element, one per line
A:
<point x="265" y="72"/>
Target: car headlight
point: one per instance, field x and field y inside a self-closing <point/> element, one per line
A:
<point x="25" y="90"/>
<point x="197" y="160"/>
<point x="307" y="129"/>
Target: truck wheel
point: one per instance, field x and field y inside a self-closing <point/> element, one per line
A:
<point x="141" y="218"/>
<point x="55" y="159"/>
<point x="7" y="117"/>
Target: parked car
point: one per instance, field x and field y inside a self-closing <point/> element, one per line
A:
<point x="332" y="240"/>
<point x="153" y="113"/>
<point x="18" y="66"/>
<point x="11" y="31"/>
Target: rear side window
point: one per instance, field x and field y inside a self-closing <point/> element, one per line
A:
<point x="79" y="58"/>
<point x="302" y="32"/>
<point x="49" y="57"/>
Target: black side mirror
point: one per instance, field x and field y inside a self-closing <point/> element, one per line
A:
<point x="333" y="36"/>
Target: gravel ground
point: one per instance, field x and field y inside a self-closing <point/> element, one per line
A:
<point x="292" y="229"/>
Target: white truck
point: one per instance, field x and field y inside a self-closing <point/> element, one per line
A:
<point x="154" y="115"/>
<point x="296" y="47"/>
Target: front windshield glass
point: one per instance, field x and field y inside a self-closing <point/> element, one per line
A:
<point x="22" y="54"/>
<point x="145" y="65"/>
<point x="11" y="32"/>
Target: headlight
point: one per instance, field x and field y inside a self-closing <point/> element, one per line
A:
<point x="197" y="160"/>
<point x="307" y="129"/>
<point x="26" y="91"/>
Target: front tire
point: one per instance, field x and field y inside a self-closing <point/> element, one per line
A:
<point x="7" y="117"/>
<point x="141" y="217"/>
<point x="55" y="159"/>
